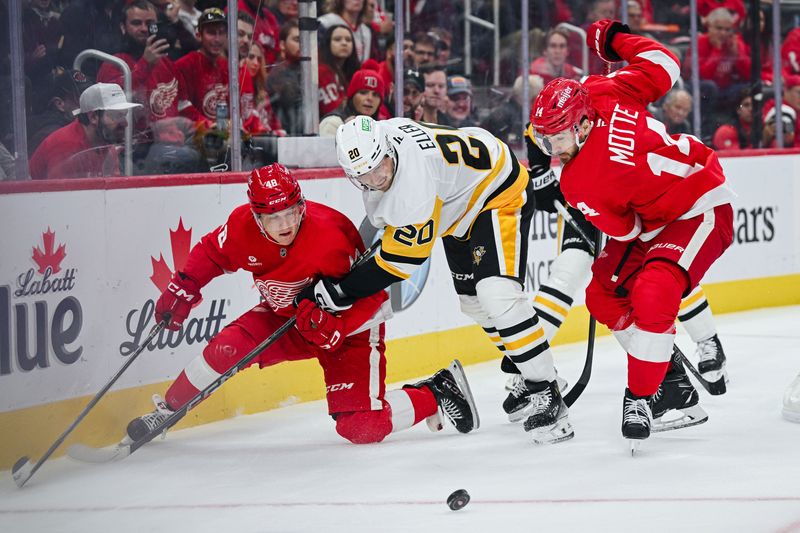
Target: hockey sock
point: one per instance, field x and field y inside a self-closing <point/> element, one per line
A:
<point x="180" y="392"/>
<point x="410" y="406"/>
<point x="696" y="317"/>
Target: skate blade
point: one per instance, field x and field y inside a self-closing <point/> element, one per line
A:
<point x="461" y="379"/>
<point x="635" y="444"/>
<point x="690" y="416"/>
<point x="791" y="415"/>
<point x="558" y="432"/>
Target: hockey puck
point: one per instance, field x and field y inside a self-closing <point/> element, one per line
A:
<point x="458" y="500"/>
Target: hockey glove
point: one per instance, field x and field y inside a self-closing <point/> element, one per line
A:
<point x="327" y="295"/>
<point x="176" y="302"/>
<point x="546" y="190"/>
<point x="320" y="327"/>
<point x="601" y="36"/>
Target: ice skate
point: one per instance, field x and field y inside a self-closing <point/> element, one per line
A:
<point x="791" y="401"/>
<point x="636" y="418"/>
<point x="675" y="404"/>
<point x="514" y="379"/>
<point x="549" y="416"/>
<point x="141" y="426"/>
<point x="453" y="395"/>
<point x="517" y="404"/>
<point x="711" y="364"/>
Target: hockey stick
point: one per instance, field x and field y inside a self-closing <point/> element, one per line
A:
<point x="714" y="388"/>
<point x="126" y="447"/>
<point x="574" y="393"/>
<point x="23" y="469"/>
<point x="564" y="212"/>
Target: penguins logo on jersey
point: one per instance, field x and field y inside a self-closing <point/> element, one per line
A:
<point x="477" y="254"/>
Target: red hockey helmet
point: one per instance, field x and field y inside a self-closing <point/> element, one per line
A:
<point x="561" y="106"/>
<point x="272" y="189"/>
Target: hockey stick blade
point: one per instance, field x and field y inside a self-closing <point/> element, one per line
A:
<point x="89" y="454"/>
<point x="22" y="471"/>
<point x="714" y="388"/>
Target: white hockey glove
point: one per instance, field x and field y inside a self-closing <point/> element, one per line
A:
<point x="327" y="295"/>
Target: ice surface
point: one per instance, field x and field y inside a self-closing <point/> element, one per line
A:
<point x="287" y="470"/>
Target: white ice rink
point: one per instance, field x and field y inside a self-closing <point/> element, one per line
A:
<point x="287" y="470"/>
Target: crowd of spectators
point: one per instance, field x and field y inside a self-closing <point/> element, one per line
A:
<point x="177" y="54"/>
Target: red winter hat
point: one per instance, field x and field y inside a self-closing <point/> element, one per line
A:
<point x="365" y="79"/>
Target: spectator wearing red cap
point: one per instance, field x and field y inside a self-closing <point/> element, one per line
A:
<point x="364" y="97"/>
<point x="736" y="135"/>
<point x="86" y="146"/>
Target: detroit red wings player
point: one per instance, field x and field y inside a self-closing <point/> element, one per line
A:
<point x="662" y="199"/>
<point x="287" y="243"/>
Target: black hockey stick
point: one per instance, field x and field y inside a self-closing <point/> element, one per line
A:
<point x="564" y="212"/>
<point x="23" y="469"/>
<point x="126" y="447"/>
<point x="714" y="388"/>
<point x="576" y="390"/>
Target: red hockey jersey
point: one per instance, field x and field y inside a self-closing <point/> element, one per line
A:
<point x="206" y="83"/>
<point x="325" y="246"/>
<point x="631" y="178"/>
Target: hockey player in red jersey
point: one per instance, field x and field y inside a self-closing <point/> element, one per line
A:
<point x="662" y="199"/>
<point x="288" y="243"/>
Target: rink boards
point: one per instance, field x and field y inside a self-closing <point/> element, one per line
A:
<point x="81" y="268"/>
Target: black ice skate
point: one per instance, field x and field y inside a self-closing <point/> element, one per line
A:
<point x="712" y="364"/>
<point x="637" y="418"/>
<point x="675" y="404"/>
<point x="452" y="393"/>
<point x="549" y="416"/>
<point x="507" y="366"/>
<point x="141" y="426"/>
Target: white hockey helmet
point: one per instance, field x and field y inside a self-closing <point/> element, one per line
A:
<point x="361" y="145"/>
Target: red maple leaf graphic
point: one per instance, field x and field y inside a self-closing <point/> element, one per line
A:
<point x="49" y="257"/>
<point x="181" y="244"/>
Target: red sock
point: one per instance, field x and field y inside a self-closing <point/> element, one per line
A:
<point x="180" y="392"/>
<point x="423" y="401"/>
<point x="644" y="377"/>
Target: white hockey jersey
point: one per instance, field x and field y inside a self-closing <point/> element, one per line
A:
<point x="445" y="178"/>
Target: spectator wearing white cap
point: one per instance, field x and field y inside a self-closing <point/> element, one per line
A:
<point x="459" y="102"/>
<point x="788" y="120"/>
<point x="86" y="146"/>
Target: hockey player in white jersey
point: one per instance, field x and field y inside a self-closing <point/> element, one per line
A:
<point x="423" y="181"/>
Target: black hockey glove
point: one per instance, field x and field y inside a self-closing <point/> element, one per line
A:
<point x="327" y="295"/>
<point x="546" y="190"/>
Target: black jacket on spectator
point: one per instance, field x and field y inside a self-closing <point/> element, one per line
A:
<point x="90" y="24"/>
